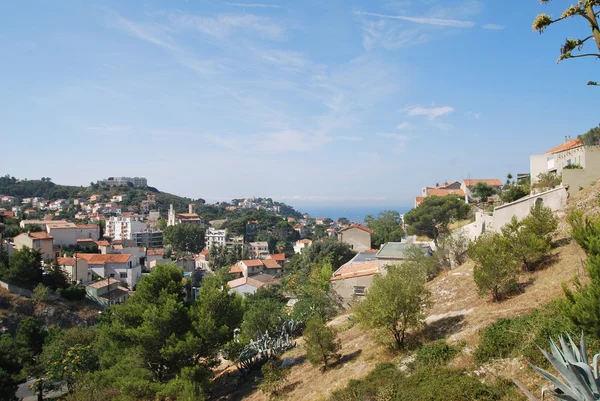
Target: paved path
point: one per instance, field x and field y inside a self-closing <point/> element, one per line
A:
<point x="25" y="394"/>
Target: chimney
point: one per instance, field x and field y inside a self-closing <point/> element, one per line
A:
<point x="191" y="208"/>
<point x="437" y="185"/>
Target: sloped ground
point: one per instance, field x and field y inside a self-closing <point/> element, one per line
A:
<point x="457" y="314"/>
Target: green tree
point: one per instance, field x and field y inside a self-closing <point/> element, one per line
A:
<point x="274" y="377"/>
<point x="588" y="10"/>
<point x="583" y="302"/>
<point x="161" y="224"/>
<point x="483" y="190"/>
<point x="329" y="250"/>
<point x="184" y="238"/>
<point x="541" y="222"/>
<point x="321" y="343"/>
<point x="433" y="215"/>
<point x="524" y="244"/>
<point x="261" y="316"/>
<point x="591" y="137"/>
<point x="10" y="367"/>
<point x="496" y="267"/>
<point x="396" y="301"/>
<point x="513" y="192"/>
<point x="24" y="268"/>
<point x="387" y="227"/>
<point x="546" y="181"/>
<point x="41" y="293"/>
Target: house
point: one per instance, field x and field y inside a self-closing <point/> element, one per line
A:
<point x="154" y="254"/>
<point x="122" y="227"/>
<point x="123" y="267"/>
<point x="468" y="185"/>
<point x="236" y="271"/>
<point x="570" y="152"/>
<point x="357" y="236"/>
<point x="188" y="264"/>
<point x="448" y="188"/>
<point x="39" y="241"/>
<point x="353" y="279"/>
<point x="251" y="228"/>
<point x="251" y="267"/>
<point x="395" y="252"/>
<point x="107" y="292"/>
<point x="184" y="218"/>
<point x="258" y="250"/>
<point x="104" y="246"/>
<point x="76" y="269"/>
<point x="272" y="267"/>
<point x="95" y="198"/>
<point x="300" y="229"/>
<point x="278" y="257"/>
<point x="8" y="199"/>
<point x="66" y="233"/>
<point x="214" y="237"/>
<point x="202" y="260"/>
<point x="301" y="245"/>
<point x="249" y="285"/>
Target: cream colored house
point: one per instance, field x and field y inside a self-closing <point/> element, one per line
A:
<point x="39" y="241"/>
<point x="76" y="269"/>
<point x="572" y="151"/>
<point x="301" y="245"/>
<point x="357" y="236"/>
<point x="258" y="250"/>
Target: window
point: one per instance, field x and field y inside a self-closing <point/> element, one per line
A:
<point x="359" y="290"/>
<point x="123" y="275"/>
<point x="112" y="275"/>
<point x="36" y="243"/>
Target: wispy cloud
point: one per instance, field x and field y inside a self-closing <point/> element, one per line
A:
<point x="431" y="113"/>
<point x="422" y="20"/>
<point x="473" y="115"/>
<point x="403" y="126"/>
<point x="253" y="5"/>
<point x="225" y="25"/>
<point x="494" y="27"/>
<point x="400" y="140"/>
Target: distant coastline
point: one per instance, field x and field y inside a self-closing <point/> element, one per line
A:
<point x="354" y="213"/>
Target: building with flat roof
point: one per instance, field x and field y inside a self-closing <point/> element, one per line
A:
<point x="124" y="181"/>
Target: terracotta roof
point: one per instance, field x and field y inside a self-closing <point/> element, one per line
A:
<point x="359" y="226"/>
<point x="575" y="143"/>
<point x="85" y="240"/>
<point x="252" y="262"/>
<point x="445" y="192"/>
<point x="235" y="269"/>
<point x="280" y="257"/>
<point x="187" y="215"/>
<point x="245" y="280"/>
<point x="40" y="235"/>
<point x="155" y="252"/>
<point x="66" y="261"/>
<point x="102" y="243"/>
<point x="100" y="259"/>
<point x="419" y="199"/>
<point x="494" y="182"/>
<point x="356" y="270"/>
<point x="271" y="264"/>
<point x="87" y="226"/>
<point x="102" y="283"/>
<point x="204" y="252"/>
<point x="298" y="226"/>
<point x="305" y="241"/>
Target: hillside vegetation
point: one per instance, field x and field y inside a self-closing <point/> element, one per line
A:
<point x="488" y="341"/>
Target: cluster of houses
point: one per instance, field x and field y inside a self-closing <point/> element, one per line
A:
<point x="463" y="189"/>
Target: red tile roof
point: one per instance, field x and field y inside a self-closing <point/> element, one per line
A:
<point x="445" y="192"/>
<point x="155" y="252"/>
<point x="235" y="269"/>
<point x="66" y="261"/>
<point x="305" y="241"/>
<point x="575" y="143"/>
<point x="356" y="270"/>
<point x="245" y="280"/>
<point x="99" y="259"/>
<point x="204" y="252"/>
<point x="103" y="283"/>
<point x="85" y="240"/>
<point x="271" y="264"/>
<point x="494" y="182"/>
<point x="92" y="226"/>
<point x="252" y="262"/>
<point x="102" y="243"/>
<point x="359" y="226"/>
<point x="40" y="235"/>
<point x="280" y="257"/>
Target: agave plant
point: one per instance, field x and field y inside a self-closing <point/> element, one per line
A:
<point x="579" y="379"/>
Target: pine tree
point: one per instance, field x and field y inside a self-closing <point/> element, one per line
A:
<point x="320" y="342"/>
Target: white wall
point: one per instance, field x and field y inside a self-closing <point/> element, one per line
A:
<point x="63" y="236"/>
<point x="538" y="164"/>
<point x="555" y="199"/>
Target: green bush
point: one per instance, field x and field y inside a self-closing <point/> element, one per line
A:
<point x="72" y="293"/>
<point x="41" y="293"/>
<point x="435" y="354"/>
<point x="510" y="338"/>
<point x="386" y="382"/>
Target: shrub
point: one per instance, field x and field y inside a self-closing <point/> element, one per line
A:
<point x="274" y="377"/>
<point x="384" y="378"/>
<point x="435" y="354"/>
<point x="41" y="293"/>
<point x="513" y="337"/>
<point x="320" y="342"/>
<point x="72" y="293"/>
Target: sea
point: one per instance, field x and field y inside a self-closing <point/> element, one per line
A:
<point x="356" y="214"/>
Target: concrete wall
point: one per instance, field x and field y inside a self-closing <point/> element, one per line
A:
<point x="482" y="223"/>
<point x="581" y="178"/>
<point x="63" y="236"/>
<point x="358" y="239"/>
<point x="538" y="164"/>
<point x="555" y="199"/>
<point x="244" y="289"/>
<point x="16" y="290"/>
<point x="345" y="287"/>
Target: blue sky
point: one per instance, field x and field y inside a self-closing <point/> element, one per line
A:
<point x="308" y="102"/>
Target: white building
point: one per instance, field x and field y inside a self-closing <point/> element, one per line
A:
<point x="124" y="181"/>
<point x="258" y="250"/>
<point x="554" y="161"/>
<point x="215" y="237"/>
<point x="122" y="267"/>
<point x="122" y="227"/>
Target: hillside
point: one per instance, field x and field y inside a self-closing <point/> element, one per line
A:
<point x="457" y="315"/>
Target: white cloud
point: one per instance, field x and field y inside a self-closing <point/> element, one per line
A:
<point x="403" y="126"/>
<point x="422" y="20"/>
<point x="473" y="115"/>
<point x="254" y="5"/>
<point x="431" y="113"/>
<point x="494" y="27"/>
<point x="225" y="25"/>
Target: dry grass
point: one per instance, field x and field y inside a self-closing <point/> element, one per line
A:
<point x="458" y="224"/>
